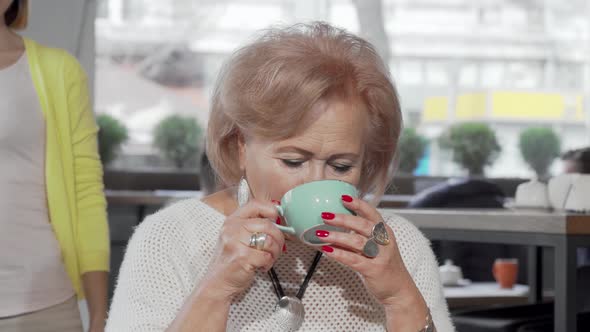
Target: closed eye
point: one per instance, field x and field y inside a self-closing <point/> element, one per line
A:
<point x="292" y="163"/>
<point x="340" y="168"/>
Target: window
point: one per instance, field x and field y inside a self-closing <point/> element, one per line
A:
<point x="102" y="9"/>
<point x="527" y="75"/>
<point x="410" y="72"/>
<point x="468" y="75"/>
<point x="568" y="75"/>
<point x="492" y="74"/>
<point x="156" y="58"/>
<point x="437" y="73"/>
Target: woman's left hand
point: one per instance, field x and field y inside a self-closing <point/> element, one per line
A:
<point x="385" y="275"/>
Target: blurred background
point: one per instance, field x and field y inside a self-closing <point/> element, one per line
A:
<point x="508" y="64"/>
<point x="507" y="71"/>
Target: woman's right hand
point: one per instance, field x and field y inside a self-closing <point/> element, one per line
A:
<point x="235" y="263"/>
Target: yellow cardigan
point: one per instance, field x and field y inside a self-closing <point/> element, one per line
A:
<point x="73" y="171"/>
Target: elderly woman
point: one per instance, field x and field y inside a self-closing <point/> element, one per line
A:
<point x="301" y="104"/>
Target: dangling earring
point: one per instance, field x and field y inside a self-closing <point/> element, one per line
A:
<point x="243" y="192"/>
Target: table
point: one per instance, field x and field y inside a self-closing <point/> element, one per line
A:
<point x="484" y="293"/>
<point x="564" y="232"/>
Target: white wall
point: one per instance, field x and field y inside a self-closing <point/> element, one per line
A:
<point x="67" y="24"/>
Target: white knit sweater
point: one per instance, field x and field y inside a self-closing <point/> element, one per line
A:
<point x="169" y="253"/>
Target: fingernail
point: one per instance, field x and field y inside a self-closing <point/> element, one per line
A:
<point x="284" y="247"/>
<point x="276" y="202"/>
<point x="328" y="215"/>
<point x="278" y="221"/>
<point x="327" y="249"/>
<point x="347" y="198"/>
<point x="322" y="233"/>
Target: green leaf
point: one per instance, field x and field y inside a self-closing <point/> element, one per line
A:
<point x="474" y="145"/>
<point x="539" y="146"/>
<point x="178" y="139"/>
<point x="410" y="148"/>
<point x="112" y="134"/>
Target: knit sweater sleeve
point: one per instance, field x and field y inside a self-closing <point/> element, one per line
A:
<point x="420" y="261"/>
<point x="152" y="282"/>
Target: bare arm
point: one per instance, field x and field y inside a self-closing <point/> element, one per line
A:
<point x="408" y="314"/>
<point x="95" y="286"/>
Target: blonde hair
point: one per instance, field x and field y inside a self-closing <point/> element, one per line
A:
<point x="17" y="14"/>
<point x="268" y="88"/>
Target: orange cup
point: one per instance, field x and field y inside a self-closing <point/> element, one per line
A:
<point x="505" y="271"/>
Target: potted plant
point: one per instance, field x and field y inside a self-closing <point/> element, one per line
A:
<point x="112" y="134"/>
<point x="410" y="148"/>
<point x="177" y="137"/>
<point x="474" y="146"/>
<point x="539" y="146"/>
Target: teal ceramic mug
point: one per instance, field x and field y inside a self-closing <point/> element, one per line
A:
<point x="301" y="208"/>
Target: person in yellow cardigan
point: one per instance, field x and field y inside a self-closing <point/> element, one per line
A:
<point x="54" y="240"/>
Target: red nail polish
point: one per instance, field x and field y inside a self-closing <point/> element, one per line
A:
<point x="347" y="198"/>
<point x="327" y="249"/>
<point x="322" y="233"/>
<point x="328" y="215"/>
<point x="278" y="221"/>
<point x="284" y="247"/>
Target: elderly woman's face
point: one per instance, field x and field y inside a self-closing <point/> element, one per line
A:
<point x="330" y="148"/>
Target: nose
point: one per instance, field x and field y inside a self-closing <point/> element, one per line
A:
<point x="317" y="172"/>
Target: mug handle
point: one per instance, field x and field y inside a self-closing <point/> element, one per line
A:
<point x="284" y="229"/>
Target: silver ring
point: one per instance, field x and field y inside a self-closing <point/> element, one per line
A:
<point x="257" y="240"/>
<point x="371" y="249"/>
<point x="260" y="239"/>
<point x="380" y="235"/>
<point x="252" y="243"/>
